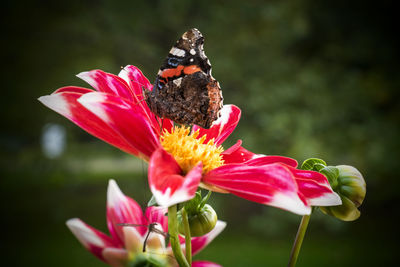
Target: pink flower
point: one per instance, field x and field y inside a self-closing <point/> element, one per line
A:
<point x="181" y="160"/>
<point x="126" y="242"/>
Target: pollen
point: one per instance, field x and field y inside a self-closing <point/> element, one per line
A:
<point x="188" y="150"/>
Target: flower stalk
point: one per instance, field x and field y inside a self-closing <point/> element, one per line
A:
<point x="174" y="238"/>
<point x="299" y="240"/>
<point x="188" y="237"/>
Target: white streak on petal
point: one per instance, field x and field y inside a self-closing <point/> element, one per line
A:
<point x="293" y="204"/>
<point x="83" y="233"/>
<point x="166" y="200"/>
<point x="57" y="103"/>
<point x="216" y="231"/>
<point x="328" y="199"/>
<point x="114" y="194"/>
<point x="92" y="101"/>
<point x="85" y="75"/>
<point x="225" y="115"/>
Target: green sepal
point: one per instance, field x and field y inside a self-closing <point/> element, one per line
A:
<point x="347" y="211"/>
<point x="332" y="173"/>
<point x="313" y="164"/>
<point x="192" y="205"/>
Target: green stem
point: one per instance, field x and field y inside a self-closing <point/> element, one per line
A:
<point x="299" y="240"/>
<point x="173" y="235"/>
<point x="188" y="237"/>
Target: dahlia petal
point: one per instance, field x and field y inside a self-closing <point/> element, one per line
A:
<point x="122" y="209"/>
<point x="316" y="188"/>
<point x="157" y="215"/>
<point x="92" y="239"/>
<point x="156" y="242"/>
<point x="167" y="184"/>
<point x="107" y="83"/>
<point x="126" y="119"/>
<point x="133" y="240"/>
<point x="64" y="102"/>
<point x="271" y="184"/>
<point x="237" y="154"/>
<point x="264" y="160"/>
<point x="138" y="82"/>
<point x="223" y="127"/>
<point x="116" y="257"/>
<point x="198" y="243"/>
<point x="73" y="89"/>
<point x="205" y="264"/>
<point x="134" y="77"/>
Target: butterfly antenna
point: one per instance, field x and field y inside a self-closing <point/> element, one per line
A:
<point x="146" y="238"/>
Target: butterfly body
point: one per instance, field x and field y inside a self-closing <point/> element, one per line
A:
<point x="184" y="90"/>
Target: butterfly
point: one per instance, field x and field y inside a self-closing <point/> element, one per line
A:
<point x="184" y="90"/>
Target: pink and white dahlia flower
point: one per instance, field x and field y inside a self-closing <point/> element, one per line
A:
<point x="125" y="245"/>
<point x="182" y="159"/>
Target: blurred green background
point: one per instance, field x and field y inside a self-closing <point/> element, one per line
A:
<point x="313" y="79"/>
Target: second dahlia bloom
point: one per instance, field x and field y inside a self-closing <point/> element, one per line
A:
<point x="180" y="159"/>
<point x="125" y="245"/>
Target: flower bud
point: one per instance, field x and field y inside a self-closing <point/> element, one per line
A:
<point x="201" y="217"/>
<point x="350" y="186"/>
<point x="201" y="223"/>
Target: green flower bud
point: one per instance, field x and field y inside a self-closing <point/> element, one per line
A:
<point x="201" y="222"/>
<point x="350" y="185"/>
<point x="201" y="216"/>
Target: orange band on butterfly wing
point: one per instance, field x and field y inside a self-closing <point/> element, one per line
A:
<point x="168" y="73"/>
<point x="191" y="69"/>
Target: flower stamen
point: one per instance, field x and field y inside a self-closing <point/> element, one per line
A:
<point x="188" y="151"/>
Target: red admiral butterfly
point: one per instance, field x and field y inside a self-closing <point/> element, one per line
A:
<point x="184" y="90"/>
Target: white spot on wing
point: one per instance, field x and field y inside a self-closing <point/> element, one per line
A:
<point x="177" y="52"/>
<point x="192" y="51"/>
<point x="178" y="82"/>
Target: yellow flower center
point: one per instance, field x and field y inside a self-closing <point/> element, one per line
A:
<point x="188" y="151"/>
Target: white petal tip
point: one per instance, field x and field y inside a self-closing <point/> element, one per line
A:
<point x="83" y="233"/>
<point x="292" y="204"/>
<point x="114" y="194"/>
<point x="329" y="199"/>
<point x="82" y="75"/>
<point x="165" y="199"/>
<point x="57" y="103"/>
